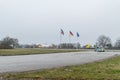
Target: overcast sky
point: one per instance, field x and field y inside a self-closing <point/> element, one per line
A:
<point x="40" y="21"/>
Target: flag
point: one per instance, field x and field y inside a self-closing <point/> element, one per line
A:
<point x="71" y="33"/>
<point x="78" y="34"/>
<point x="62" y="32"/>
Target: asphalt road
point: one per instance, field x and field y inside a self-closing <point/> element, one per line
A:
<point x="45" y="61"/>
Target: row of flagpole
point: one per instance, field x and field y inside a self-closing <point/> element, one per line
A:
<point x="70" y="35"/>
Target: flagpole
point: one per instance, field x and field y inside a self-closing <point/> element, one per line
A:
<point x="70" y="35"/>
<point x="69" y="39"/>
<point x="78" y="45"/>
<point x="60" y="40"/>
<point x="61" y="33"/>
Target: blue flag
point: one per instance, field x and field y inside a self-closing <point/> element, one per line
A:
<point x="78" y="34"/>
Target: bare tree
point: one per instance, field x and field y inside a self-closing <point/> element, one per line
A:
<point x="104" y="41"/>
<point x="8" y="43"/>
<point x="117" y="43"/>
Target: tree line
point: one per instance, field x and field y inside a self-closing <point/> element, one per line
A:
<point x="102" y="41"/>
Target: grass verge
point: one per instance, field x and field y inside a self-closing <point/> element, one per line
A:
<point x="11" y="52"/>
<point x="105" y="70"/>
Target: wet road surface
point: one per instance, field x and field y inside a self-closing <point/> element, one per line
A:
<point x="45" y="61"/>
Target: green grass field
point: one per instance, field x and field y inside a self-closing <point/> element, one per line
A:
<point x="11" y="52"/>
<point x="105" y="70"/>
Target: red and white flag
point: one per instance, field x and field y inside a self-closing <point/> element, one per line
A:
<point x="71" y="34"/>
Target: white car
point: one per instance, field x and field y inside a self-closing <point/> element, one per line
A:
<point x="99" y="49"/>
